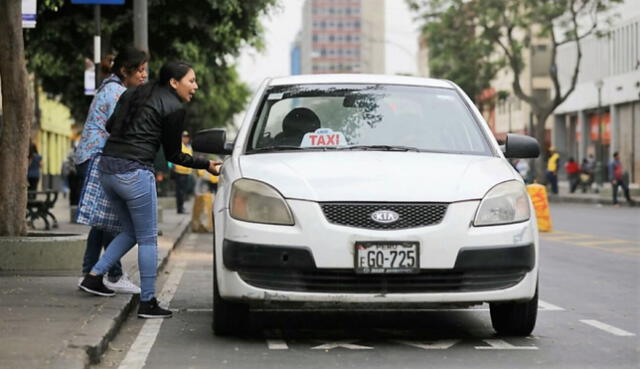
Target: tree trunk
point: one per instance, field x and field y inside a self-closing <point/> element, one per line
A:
<point x="540" y="135"/>
<point x="17" y="117"/>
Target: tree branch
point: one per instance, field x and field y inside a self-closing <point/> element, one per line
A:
<point x="516" y="67"/>
<point x="576" y="68"/>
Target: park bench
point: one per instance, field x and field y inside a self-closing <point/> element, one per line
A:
<point x="39" y="205"/>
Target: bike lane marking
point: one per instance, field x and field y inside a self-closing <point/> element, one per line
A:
<point x="277" y="345"/>
<point x="348" y="344"/>
<point x="497" y="344"/>
<point x="431" y="345"/>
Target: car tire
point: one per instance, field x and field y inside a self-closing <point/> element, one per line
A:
<point x="514" y="318"/>
<point x="229" y="318"/>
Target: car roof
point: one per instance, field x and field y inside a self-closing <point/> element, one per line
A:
<point x="359" y="78"/>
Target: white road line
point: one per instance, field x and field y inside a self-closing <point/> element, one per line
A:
<point x="608" y="328"/>
<point x="277" y="345"/>
<point x="139" y="351"/>
<point x="496" y="344"/>
<point x="543" y="305"/>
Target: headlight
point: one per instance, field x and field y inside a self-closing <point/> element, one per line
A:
<point x="257" y="202"/>
<point x="505" y="203"/>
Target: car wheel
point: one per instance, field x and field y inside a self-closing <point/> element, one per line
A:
<point x="229" y="317"/>
<point x="514" y="318"/>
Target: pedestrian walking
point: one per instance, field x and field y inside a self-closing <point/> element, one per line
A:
<point x="181" y="175"/>
<point x="573" y="172"/>
<point x="617" y="179"/>
<point x="33" y="171"/>
<point x="145" y="118"/>
<point x="552" y="169"/>
<point x="127" y="69"/>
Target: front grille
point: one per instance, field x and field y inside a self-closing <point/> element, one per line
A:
<point x="358" y="215"/>
<point x="347" y="281"/>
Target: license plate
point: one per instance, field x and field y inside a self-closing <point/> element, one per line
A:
<point x="386" y="257"/>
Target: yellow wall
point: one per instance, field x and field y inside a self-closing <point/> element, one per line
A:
<point x="54" y="136"/>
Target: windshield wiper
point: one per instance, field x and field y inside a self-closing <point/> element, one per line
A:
<point x="288" y="148"/>
<point x="381" y="148"/>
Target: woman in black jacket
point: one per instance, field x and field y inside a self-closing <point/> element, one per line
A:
<point x="145" y="118"/>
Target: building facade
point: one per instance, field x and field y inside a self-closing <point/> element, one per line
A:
<point x="602" y="114"/>
<point x="342" y="36"/>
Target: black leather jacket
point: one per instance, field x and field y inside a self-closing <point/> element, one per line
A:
<point x="160" y="121"/>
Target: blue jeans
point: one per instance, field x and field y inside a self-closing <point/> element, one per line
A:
<point x="97" y="239"/>
<point x="133" y="195"/>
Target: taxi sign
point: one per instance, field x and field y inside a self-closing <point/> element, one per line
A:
<point x="323" y="137"/>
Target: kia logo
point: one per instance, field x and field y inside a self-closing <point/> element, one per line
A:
<point x="385" y="216"/>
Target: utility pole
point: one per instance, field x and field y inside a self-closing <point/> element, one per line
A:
<point x="602" y="160"/>
<point x="140" y="25"/>
<point x="97" y="44"/>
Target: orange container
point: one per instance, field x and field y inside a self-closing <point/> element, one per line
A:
<point x="538" y="194"/>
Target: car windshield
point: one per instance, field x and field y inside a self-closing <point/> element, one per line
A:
<point x="366" y="117"/>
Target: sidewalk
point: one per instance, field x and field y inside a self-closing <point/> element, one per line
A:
<point x="48" y="323"/>
<point x="604" y="197"/>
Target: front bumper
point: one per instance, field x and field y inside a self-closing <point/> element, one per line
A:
<point x="313" y="261"/>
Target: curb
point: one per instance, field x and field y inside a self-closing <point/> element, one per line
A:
<point x="87" y="346"/>
<point x="580" y="200"/>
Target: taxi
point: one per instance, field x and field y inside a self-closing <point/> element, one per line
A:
<point x="371" y="191"/>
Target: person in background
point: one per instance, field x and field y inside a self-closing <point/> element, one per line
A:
<point x="552" y="169"/>
<point x="573" y="172"/>
<point x="33" y="171"/>
<point x="617" y="179"/>
<point x="182" y="174"/>
<point x="145" y="118"/>
<point x="586" y="174"/>
<point x="522" y="166"/>
<point x="127" y="69"/>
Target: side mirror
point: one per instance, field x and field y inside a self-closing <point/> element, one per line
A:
<point x="520" y="146"/>
<point x="212" y="141"/>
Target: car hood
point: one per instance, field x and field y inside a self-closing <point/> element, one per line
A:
<point x="377" y="176"/>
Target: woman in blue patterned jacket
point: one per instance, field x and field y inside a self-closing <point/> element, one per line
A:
<point x="128" y="69"/>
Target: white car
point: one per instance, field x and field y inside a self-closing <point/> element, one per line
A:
<point x="371" y="191"/>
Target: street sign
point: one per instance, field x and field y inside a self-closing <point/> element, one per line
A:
<point x="98" y="2"/>
<point x="90" y="81"/>
<point x="29" y="13"/>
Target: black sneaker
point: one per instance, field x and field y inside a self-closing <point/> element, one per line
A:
<point x="150" y="310"/>
<point x="94" y="285"/>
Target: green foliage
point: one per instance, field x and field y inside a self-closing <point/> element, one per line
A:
<point x="470" y="40"/>
<point x="456" y="53"/>
<point x="205" y="33"/>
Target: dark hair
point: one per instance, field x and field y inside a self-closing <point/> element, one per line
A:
<point x="615" y="154"/>
<point x="130" y="59"/>
<point x="33" y="150"/>
<point x="140" y="94"/>
<point x="106" y="63"/>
